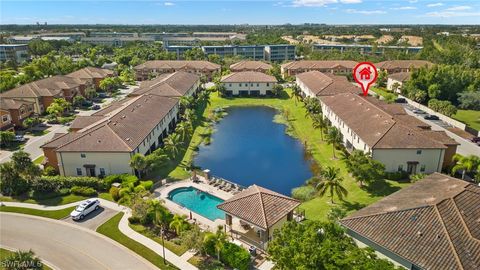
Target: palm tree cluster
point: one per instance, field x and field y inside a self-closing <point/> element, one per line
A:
<point x="467" y="165"/>
<point x="362" y="167"/>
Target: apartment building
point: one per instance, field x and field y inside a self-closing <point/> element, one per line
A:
<point x="280" y="52"/>
<point x="92" y="75"/>
<point x="253" y="52"/>
<point x="317" y="84"/>
<point x="157" y="67"/>
<point x="388" y="134"/>
<point x="432" y="224"/>
<point x="115" y="41"/>
<point x="5" y="120"/>
<point x="176" y="84"/>
<point x="18" y="110"/>
<point x="395" y="81"/>
<point x="179" y="51"/>
<point x="326" y="66"/>
<point x="257" y="66"/>
<point x="114" y="34"/>
<point x="248" y="83"/>
<point x="396" y="66"/>
<point x="365" y="48"/>
<point x="14" y="52"/>
<point x="42" y="92"/>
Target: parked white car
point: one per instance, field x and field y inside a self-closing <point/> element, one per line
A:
<point x="85" y="208"/>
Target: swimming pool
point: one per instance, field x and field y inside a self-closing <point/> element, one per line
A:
<point x="198" y="201"/>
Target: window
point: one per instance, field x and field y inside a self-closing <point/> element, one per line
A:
<point x="422" y="168"/>
<point x="419" y="152"/>
<point x="240" y="84"/>
<point x="230" y="84"/>
<point x="400" y="168"/>
<point x="102" y="171"/>
<point x="83" y="155"/>
<point x="5" y="118"/>
<point x="79" y="171"/>
<point x="258" y="84"/>
<point x="268" y="84"/>
<point x="251" y="84"/>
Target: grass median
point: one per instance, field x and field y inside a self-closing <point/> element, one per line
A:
<point x="54" y="214"/>
<point x="110" y="229"/>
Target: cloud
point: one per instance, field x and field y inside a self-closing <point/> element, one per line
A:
<point x="459" y="8"/>
<point x="435" y="5"/>
<point x="450" y="14"/>
<point x="169" y="4"/>
<point x="404" y="8"/>
<point x="321" y="3"/>
<point x="413" y="1"/>
<point x="365" y="12"/>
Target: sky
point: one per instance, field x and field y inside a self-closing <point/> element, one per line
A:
<point x="240" y="12"/>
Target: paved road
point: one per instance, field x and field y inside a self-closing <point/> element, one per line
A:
<point x="94" y="219"/>
<point x="66" y="246"/>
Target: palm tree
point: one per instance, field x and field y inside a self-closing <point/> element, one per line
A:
<point x="186" y="102"/>
<point x="138" y="163"/>
<point x="178" y="223"/>
<point x="184" y="129"/>
<point x="155" y="160"/>
<point x="331" y="182"/>
<point x="22" y="260"/>
<point x="173" y="144"/>
<point x="296" y="93"/>
<point x="218" y="239"/>
<point x="465" y="164"/>
<point x="189" y="116"/>
<point x="312" y="105"/>
<point x="319" y="123"/>
<point x="334" y="137"/>
<point x="221" y="89"/>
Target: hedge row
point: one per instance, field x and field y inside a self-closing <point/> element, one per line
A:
<point x="55" y="183"/>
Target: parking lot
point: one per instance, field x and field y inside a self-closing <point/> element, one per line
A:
<point x="94" y="219"/>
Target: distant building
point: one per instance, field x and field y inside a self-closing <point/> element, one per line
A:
<point x="432" y="224"/>
<point x="117" y="41"/>
<point x="18" y="111"/>
<point x="364" y="49"/>
<point x="157" y="67"/>
<point x="27" y="39"/>
<point x="113" y="34"/>
<point x="179" y="51"/>
<point x="395" y="66"/>
<point x="279" y="53"/>
<point x="92" y="75"/>
<point x="17" y="52"/>
<point x="248" y="83"/>
<point x="396" y="80"/>
<point x="258" y="66"/>
<point x="253" y="52"/>
<point x="325" y="66"/>
<point x="163" y="35"/>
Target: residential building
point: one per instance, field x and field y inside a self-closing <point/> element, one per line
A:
<point x="176" y="84"/>
<point x="114" y="34"/>
<point x="6" y="120"/>
<point x="192" y="41"/>
<point x="92" y="75"/>
<point x="396" y="66"/>
<point x="253" y="52"/>
<point x="76" y="36"/>
<point x="248" y="83"/>
<point x="364" y="48"/>
<point x="156" y="67"/>
<point x="432" y="224"/>
<point x="388" y="134"/>
<point x="162" y="35"/>
<point x="224" y="35"/>
<point x="18" y="110"/>
<point x="42" y="92"/>
<point x="326" y="66"/>
<point x="179" y="51"/>
<point x="395" y="81"/>
<point x="257" y="66"/>
<point x="280" y="52"/>
<point x="115" y="41"/>
<point x="27" y="39"/>
<point x="14" y="52"/>
<point x="317" y="84"/>
<point x="255" y="213"/>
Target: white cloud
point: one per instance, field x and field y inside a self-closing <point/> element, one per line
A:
<point x="404" y="8"/>
<point x="459" y="8"/>
<point x="169" y="4"/>
<point x="435" y="5"/>
<point x="321" y="3"/>
<point x="365" y="12"/>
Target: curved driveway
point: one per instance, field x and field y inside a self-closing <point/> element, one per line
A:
<point x="66" y="246"/>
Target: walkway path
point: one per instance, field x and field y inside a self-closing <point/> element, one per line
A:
<point x="180" y="262"/>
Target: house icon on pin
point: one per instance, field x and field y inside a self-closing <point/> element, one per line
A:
<point x="365" y="73"/>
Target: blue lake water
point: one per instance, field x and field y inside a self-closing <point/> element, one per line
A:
<point x="198" y="201"/>
<point x="249" y="148"/>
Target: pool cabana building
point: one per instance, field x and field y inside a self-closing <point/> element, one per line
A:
<point x="253" y="215"/>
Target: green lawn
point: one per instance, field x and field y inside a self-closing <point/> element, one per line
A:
<point x="4" y="253"/>
<point x="177" y="249"/>
<point x="469" y="117"/>
<point x="301" y="128"/>
<point x="55" y="214"/>
<point x="39" y="160"/>
<point x="110" y="229"/>
<point x="51" y="198"/>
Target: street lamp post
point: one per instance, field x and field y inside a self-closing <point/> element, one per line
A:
<point x="163" y="246"/>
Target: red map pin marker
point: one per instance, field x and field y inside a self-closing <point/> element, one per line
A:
<point x="365" y="74"/>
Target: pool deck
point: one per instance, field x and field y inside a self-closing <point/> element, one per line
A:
<point x="205" y="223"/>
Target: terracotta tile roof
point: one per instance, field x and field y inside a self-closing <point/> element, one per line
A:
<point x="322" y="84"/>
<point x="320" y="64"/>
<point x="112" y="107"/>
<point x="169" y="85"/>
<point x="84" y="121"/>
<point x="13" y="104"/>
<point x="248" y="76"/>
<point x="411" y="121"/>
<point x="400" y="76"/>
<point x="120" y="131"/>
<point x="51" y="86"/>
<point x="403" y="64"/>
<point x="250" y="65"/>
<point x="59" y="139"/>
<point x="178" y="65"/>
<point x="434" y="223"/>
<point x="376" y="127"/>
<point x="259" y="206"/>
<point x="91" y="73"/>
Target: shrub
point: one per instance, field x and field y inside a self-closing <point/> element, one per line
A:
<point x="147" y="184"/>
<point x="139" y="188"/>
<point x="114" y="192"/>
<point x="83" y="191"/>
<point x="402" y="175"/>
<point x="235" y="256"/>
<point x="54" y="183"/>
<point x="304" y="193"/>
<point x="134" y="220"/>
<point x="49" y="171"/>
<point x="124" y="179"/>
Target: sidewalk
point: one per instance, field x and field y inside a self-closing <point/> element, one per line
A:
<point x="180" y="262"/>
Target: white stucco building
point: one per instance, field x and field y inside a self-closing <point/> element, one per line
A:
<point x="248" y="83"/>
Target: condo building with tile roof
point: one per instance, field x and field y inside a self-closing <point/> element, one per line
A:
<point x="395" y="66"/>
<point x="157" y="67"/>
<point x="326" y="66"/>
<point x="432" y="224"/>
<point x="317" y="84"/>
<point x="92" y="75"/>
<point x="248" y="83"/>
<point x="257" y="66"/>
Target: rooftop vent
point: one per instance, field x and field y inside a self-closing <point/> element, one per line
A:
<point x="419" y="233"/>
<point x="123" y="116"/>
<point x="127" y="139"/>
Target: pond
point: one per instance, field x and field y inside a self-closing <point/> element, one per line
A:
<point x="248" y="147"/>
